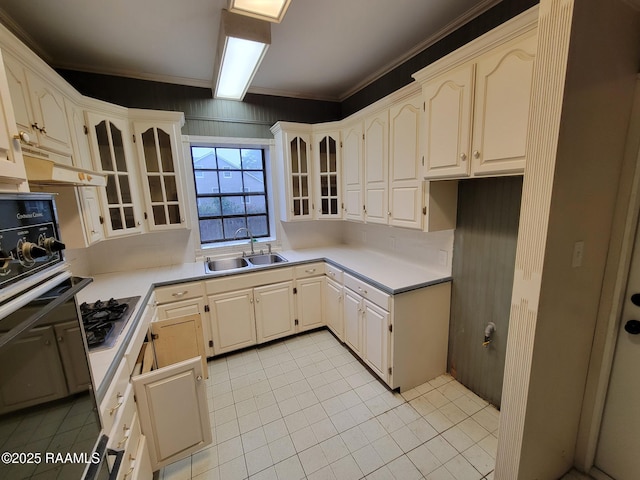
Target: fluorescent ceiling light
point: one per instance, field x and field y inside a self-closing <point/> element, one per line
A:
<point x="269" y="10"/>
<point x="242" y="45"/>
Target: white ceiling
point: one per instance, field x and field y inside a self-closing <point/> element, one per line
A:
<point x="325" y="49"/>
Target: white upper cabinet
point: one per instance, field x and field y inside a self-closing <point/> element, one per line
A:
<point x="294" y="166"/>
<point x="39" y="107"/>
<point x="405" y="157"/>
<point x="112" y="154"/>
<point x="159" y="160"/>
<point x="476" y="115"/>
<point x="448" y="123"/>
<point x="327" y="167"/>
<point x="11" y="165"/>
<point x="353" y="172"/>
<point x="376" y="164"/>
<point x="501" y="112"/>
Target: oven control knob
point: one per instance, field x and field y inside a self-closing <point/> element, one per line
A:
<point x="31" y="251"/>
<point x="52" y="245"/>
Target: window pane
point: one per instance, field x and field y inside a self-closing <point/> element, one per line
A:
<point x="256" y="204"/>
<point x="210" y="230"/>
<point x="149" y="148"/>
<point x="155" y="189"/>
<point x="231" y="225"/>
<point x="103" y="147"/>
<point x="253" y="182"/>
<point x="116" y="218"/>
<point x="118" y="148"/>
<point x="209" y="207"/>
<point x="164" y="142"/>
<point x="125" y="192"/>
<point x="174" y="214"/>
<point x="251" y="159"/>
<point x="112" y="190"/>
<point x="159" y="216"/>
<point x="228" y="158"/>
<point x="170" y="188"/>
<point x="203" y="157"/>
<point x="258" y="225"/>
<point x="232" y="206"/>
<point x="129" y="219"/>
<point x="230" y="181"/>
<point x="206" y="182"/>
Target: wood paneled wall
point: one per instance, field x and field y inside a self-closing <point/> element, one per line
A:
<point x="484" y="253"/>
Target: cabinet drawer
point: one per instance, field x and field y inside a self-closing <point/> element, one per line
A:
<point x="114" y="399"/>
<point x="181" y="291"/>
<point x="334" y="273"/>
<point x="123" y="422"/>
<point x="372" y="294"/>
<point x="248" y="280"/>
<point x="309" y="270"/>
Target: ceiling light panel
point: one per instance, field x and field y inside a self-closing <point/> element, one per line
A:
<point x="270" y="10"/>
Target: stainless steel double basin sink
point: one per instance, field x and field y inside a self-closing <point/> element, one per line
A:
<point x="221" y="265"/>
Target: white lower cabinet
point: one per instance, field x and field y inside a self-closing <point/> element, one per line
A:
<point x="159" y="416"/>
<point x="310" y="303"/>
<point x="353" y="320"/>
<point x="375" y="322"/>
<point x="333" y="308"/>
<point x="233" y="321"/>
<point x="275" y="314"/>
<point x="173" y="410"/>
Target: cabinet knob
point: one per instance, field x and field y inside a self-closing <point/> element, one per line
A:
<point x="23" y="137"/>
<point x="180" y="294"/>
<point x="389" y="213"/>
<point x="199" y="378"/>
<point x="476" y="154"/>
<point x="463" y="156"/>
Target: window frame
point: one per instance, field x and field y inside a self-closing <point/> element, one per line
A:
<point x="251" y="144"/>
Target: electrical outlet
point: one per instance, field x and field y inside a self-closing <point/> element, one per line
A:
<point x="578" y="253"/>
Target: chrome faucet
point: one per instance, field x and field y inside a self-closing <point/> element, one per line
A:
<point x="235" y="237"/>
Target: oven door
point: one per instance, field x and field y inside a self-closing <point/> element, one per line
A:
<point x="49" y="423"/>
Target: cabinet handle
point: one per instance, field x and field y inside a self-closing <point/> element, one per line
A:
<point x="47" y="342"/>
<point x="333" y="274"/>
<point x="180" y="294"/>
<point x="257" y="300"/>
<point x="119" y="398"/>
<point x="127" y="432"/>
<point x="463" y="156"/>
<point x="310" y="270"/>
<point x="389" y="213"/>
<point x="43" y="130"/>
<point x="476" y="154"/>
<point x="60" y="339"/>
<point x="132" y="461"/>
<point x="199" y="378"/>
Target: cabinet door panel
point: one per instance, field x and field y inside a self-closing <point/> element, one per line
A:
<point x="327" y="168"/>
<point x="310" y="301"/>
<point x="501" y="115"/>
<point x="448" y="123"/>
<point x="11" y="163"/>
<point x="405" y="173"/>
<point x="50" y="114"/>
<point x="333" y="308"/>
<point x="376" y="339"/>
<point x="352" y="320"/>
<point x="173" y="409"/>
<point x="376" y="155"/>
<point x="352" y="168"/>
<point x="233" y="323"/>
<point x="17" y="81"/>
<point x="189" y="307"/>
<point x="274" y="311"/>
<point x="177" y="339"/>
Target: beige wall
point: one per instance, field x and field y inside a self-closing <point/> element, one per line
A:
<point x="579" y="127"/>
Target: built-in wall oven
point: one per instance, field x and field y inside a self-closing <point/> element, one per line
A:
<point x="49" y="422"/>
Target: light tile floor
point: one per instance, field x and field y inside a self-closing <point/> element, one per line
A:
<point x="305" y="408"/>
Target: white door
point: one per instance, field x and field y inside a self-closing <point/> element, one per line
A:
<point x="352" y="170"/>
<point x="376" y="338"/>
<point x="333" y="308"/>
<point x="376" y="155"/>
<point x="619" y="442"/>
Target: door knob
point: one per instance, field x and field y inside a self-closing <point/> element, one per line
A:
<point x="632" y="327"/>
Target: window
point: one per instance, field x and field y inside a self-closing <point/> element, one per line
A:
<point x="230" y="193"/>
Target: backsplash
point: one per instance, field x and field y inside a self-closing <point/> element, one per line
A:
<point x="310" y="234"/>
<point x="427" y="248"/>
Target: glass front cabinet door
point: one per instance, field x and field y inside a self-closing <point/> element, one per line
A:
<point x="158" y="154"/>
<point x="326" y="155"/>
<point x="111" y="150"/>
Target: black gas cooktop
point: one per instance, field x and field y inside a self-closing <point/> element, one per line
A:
<point x="104" y="320"/>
